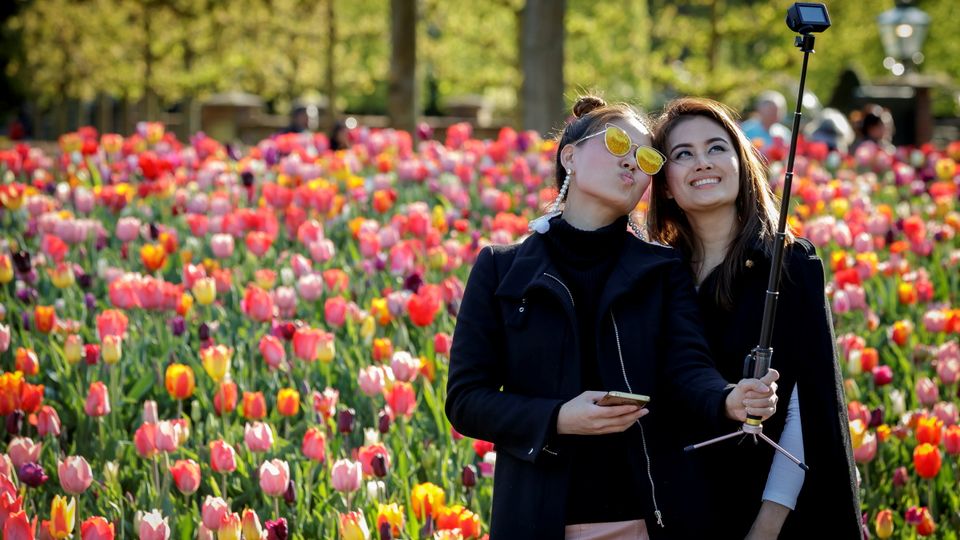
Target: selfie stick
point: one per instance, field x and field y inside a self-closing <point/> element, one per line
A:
<point x="803" y="18"/>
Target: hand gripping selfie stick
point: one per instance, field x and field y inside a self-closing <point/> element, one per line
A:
<point x="803" y="18"/>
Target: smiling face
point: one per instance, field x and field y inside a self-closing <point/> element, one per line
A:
<point x="703" y="166"/>
<point x="603" y="183"/>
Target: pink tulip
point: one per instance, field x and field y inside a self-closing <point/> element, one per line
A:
<point x="405" y="366"/>
<point x="75" y="475"/>
<point x="145" y="440"/>
<point x="223" y="458"/>
<point x="274" y="476"/>
<point x="306" y="343"/>
<point x="221" y="245"/>
<point x="841" y="302"/>
<point x="335" y="311"/>
<point x="867" y="449"/>
<point x="935" y="321"/>
<point x="98" y="400"/>
<point x="947" y="412"/>
<point x="48" y="422"/>
<point x="882" y="375"/>
<point x="213" y="511"/>
<point x="153" y="526"/>
<point x="314" y="444"/>
<point x="272" y="350"/>
<point x="371" y="380"/>
<point x="258" y="437"/>
<point x="168" y="436"/>
<point x="203" y="533"/>
<point x="346" y="475"/>
<point x="927" y="391"/>
<point x="4" y="338"/>
<point x="948" y="370"/>
<point x="310" y="287"/>
<point x="23" y="450"/>
<point x="128" y="229"/>
<point x="83" y="200"/>
<point x="301" y="265"/>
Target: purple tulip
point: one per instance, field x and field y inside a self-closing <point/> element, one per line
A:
<point x="276" y="529"/>
<point x="32" y="474"/>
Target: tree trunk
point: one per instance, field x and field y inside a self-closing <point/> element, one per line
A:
<point x="331" y="60"/>
<point x="541" y="28"/>
<point x="402" y="92"/>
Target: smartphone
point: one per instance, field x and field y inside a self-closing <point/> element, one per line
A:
<point x="623" y="398"/>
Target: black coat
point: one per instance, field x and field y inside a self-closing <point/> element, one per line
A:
<point x="515" y="360"/>
<point x="804" y="354"/>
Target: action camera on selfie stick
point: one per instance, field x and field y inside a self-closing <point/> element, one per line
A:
<point x="805" y="19"/>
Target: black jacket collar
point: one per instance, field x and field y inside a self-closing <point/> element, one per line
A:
<point x="532" y="267"/>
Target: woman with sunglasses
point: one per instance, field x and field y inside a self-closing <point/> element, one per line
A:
<point x="582" y="307"/>
<point x="712" y="202"/>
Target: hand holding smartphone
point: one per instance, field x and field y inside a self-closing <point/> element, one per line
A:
<point x="623" y="398"/>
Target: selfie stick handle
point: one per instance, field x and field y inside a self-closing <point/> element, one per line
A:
<point x="762" y="354"/>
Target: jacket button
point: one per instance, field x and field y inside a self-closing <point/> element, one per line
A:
<point x="521" y="309"/>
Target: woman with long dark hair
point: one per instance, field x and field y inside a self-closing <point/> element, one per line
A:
<point x="712" y="202"/>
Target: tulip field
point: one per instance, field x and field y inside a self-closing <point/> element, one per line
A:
<point x="201" y="341"/>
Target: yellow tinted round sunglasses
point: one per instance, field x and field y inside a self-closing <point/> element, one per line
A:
<point x="619" y="143"/>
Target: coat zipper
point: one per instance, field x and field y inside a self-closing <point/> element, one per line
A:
<point x="623" y="369"/>
<point x="643" y="438"/>
<point x="564" y="285"/>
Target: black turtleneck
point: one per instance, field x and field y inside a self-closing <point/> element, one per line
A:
<point x="585" y="259"/>
<point x="597" y="490"/>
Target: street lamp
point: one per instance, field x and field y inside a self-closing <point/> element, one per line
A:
<point x="902" y="31"/>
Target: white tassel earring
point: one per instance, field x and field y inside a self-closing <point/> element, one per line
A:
<point x="542" y="223"/>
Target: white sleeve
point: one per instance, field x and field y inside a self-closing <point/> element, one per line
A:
<point x="786" y="478"/>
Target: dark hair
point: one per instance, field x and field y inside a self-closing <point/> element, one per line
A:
<point x="591" y="111"/>
<point x="872" y="116"/>
<point x="756" y="205"/>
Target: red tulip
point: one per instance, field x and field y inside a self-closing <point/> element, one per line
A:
<point x="17" y="527"/>
<point x="401" y="399"/>
<point x="929" y="430"/>
<point x="259" y="242"/>
<point x="96" y="528"/>
<point x="927" y="460"/>
<point x="366" y="455"/>
<point x="952" y="440"/>
<point x="145" y="440"/>
<point x="306" y="343"/>
<point x="257" y="304"/>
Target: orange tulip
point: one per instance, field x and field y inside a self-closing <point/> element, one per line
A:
<point x="907" y="293"/>
<point x="382" y="349"/>
<point x="6" y="268"/>
<point x="427" y="499"/>
<point x="927" y="460"/>
<point x="288" y="402"/>
<point x="225" y="400"/>
<point x="10" y="388"/>
<point x="31" y="397"/>
<point x="44" y="317"/>
<point x="254" y="406"/>
<point x="179" y="381"/>
<point x="26" y="361"/>
<point x="154" y="256"/>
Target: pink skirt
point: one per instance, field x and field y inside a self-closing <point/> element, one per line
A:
<point x="613" y="530"/>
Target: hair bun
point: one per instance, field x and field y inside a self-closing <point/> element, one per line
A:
<point x="586" y="104"/>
